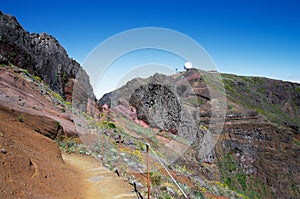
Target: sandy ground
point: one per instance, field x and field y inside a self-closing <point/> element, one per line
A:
<point x="98" y="181"/>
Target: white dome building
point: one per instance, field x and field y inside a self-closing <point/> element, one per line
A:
<point x="188" y="66"/>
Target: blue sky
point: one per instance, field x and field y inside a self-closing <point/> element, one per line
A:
<point x="260" y="38"/>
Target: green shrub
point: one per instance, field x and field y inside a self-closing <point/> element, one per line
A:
<point x="142" y="146"/>
<point x="242" y="179"/>
<point x="62" y="145"/>
<point x="296" y="142"/>
<point x="230" y="106"/>
<point x="13" y="54"/>
<point x="167" y="196"/>
<point x="261" y="90"/>
<point x="198" y="194"/>
<point x="111" y="125"/>
<point x="20" y="118"/>
<point x="67" y="144"/>
<point x="65" y="77"/>
<point x="155" y="178"/>
<point x="37" y="78"/>
<point x="25" y="72"/>
<point x="69" y="104"/>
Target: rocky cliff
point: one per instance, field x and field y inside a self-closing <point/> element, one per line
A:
<point x="42" y="55"/>
<point x="257" y="152"/>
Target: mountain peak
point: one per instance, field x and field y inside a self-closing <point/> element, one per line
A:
<point x="42" y="55"/>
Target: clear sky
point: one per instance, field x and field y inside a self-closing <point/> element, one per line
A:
<point x="260" y="38"/>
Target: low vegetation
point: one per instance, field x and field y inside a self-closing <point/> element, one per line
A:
<point x="251" y="92"/>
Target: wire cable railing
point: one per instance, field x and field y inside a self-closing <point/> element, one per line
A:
<point x="115" y="151"/>
<point x="167" y="170"/>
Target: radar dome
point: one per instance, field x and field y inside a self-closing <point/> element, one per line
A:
<point x="188" y="65"/>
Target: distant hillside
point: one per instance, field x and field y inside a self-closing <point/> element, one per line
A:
<point x="278" y="100"/>
<point x="257" y="152"/>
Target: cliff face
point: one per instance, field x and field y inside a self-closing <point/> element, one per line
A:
<point x="257" y="152"/>
<point x="41" y="55"/>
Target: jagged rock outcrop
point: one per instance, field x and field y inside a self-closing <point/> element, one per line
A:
<point x="42" y="55"/>
<point x="158" y="103"/>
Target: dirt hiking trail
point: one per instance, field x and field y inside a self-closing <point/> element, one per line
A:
<point x="97" y="181"/>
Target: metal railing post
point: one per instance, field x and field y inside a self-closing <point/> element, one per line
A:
<point x="148" y="170"/>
